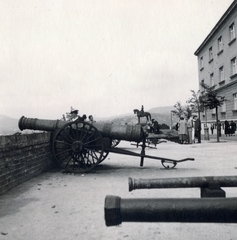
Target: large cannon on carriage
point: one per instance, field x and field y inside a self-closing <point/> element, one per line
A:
<point x="79" y="146"/>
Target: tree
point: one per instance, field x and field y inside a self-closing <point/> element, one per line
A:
<point x="179" y="109"/>
<point x="210" y="100"/>
<point x="195" y="102"/>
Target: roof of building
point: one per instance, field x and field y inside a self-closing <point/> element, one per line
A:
<point x="216" y="27"/>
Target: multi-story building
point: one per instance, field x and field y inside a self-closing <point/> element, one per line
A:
<point x="217" y="65"/>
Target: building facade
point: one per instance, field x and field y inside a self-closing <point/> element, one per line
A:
<point x="217" y="65"/>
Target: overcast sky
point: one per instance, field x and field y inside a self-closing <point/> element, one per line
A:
<point x="103" y="57"/>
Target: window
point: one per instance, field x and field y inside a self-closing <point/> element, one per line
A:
<point x="201" y="63"/>
<point x="232" y="32"/>
<point x="235" y="101"/>
<point x="212" y="80"/>
<point x="221" y="74"/>
<point x="223" y="107"/>
<point x="220" y="44"/>
<point x="233" y="66"/>
<point x="210" y="54"/>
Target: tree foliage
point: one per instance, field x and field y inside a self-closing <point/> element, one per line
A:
<point x="210" y="99"/>
<point x="195" y="102"/>
<point x="179" y="109"/>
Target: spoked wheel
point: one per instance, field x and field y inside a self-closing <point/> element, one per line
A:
<point x="78" y="147"/>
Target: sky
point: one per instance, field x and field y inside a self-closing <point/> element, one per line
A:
<point x="102" y="57"/>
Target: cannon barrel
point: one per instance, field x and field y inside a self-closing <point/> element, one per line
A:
<point x="113" y="131"/>
<point x="39" y="124"/>
<point x="189" y="182"/>
<point x="206" y="210"/>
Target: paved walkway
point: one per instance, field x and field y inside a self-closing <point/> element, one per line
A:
<point x="63" y="206"/>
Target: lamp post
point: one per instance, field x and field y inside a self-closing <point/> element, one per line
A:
<point x="171" y="120"/>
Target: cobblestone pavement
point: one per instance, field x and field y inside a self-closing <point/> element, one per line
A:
<point x="62" y="206"/>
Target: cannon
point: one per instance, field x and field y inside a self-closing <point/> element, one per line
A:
<point x="188" y="182"/>
<point x="195" y="210"/>
<point x="212" y="207"/>
<point x="79" y="146"/>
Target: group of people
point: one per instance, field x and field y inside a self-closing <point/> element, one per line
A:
<point x="230" y="128"/>
<point x="153" y="127"/>
<point x="189" y="129"/>
<point x="74" y="116"/>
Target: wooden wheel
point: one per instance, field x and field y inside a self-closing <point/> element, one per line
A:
<point x="78" y="147"/>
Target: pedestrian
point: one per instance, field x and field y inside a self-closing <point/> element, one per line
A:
<point x="177" y="126"/>
<point x="190" y="129"/>
<point x="182" y="130"/>
<point x="198" y="129"/>
<point x="227" y="128"/>
<point x="233" y="127"/>
<point x="74" y="115"/>
<point x="212" y="128"/>
<point x="91" y="119"/>
<point x="155" y="126"/>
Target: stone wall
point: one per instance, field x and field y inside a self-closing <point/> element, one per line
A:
<point x="23" y="157"/>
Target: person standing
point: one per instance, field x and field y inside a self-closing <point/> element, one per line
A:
<point x="74" y="115"/>
<point x="155" y="126"/>
<point x="198" y="129"/>
<point x="190" y="130"/>
<point x="91" y="119"/>
<point x="227" y="128"/>
<point x="232" y="127"/>
<point x="212" y="128"/>
<point x="177" y="126"/>
<point x="182" y="130"/>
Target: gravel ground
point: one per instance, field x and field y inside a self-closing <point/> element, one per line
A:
<point x="62" y="206"/>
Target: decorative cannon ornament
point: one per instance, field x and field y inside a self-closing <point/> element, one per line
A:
<point x="79" y="146"/>
<point x="212" y="207"/>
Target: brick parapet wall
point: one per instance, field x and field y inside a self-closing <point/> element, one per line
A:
<point x="23" y="157"/>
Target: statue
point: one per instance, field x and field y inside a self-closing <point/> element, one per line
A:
<point x="142" y="114"/>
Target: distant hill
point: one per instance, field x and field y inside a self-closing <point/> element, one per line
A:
<point x="161" y="114"/>
<point x="162" y="110"/>
<point x="9" y="126"/>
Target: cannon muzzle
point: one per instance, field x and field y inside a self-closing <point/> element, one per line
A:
<point x="204" y="210"/>
<point x="190" y="182"/>
<point x="39" y="124"/>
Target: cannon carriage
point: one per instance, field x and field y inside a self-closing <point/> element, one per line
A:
<point x="79" y="146"/>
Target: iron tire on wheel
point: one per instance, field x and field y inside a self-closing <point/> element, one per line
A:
<point x="78" y="147"/>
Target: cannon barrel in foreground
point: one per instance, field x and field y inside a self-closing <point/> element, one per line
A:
<point x="113" y="131"/>
<point x="189" y="182"/>
<point x="205" y="210"/>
